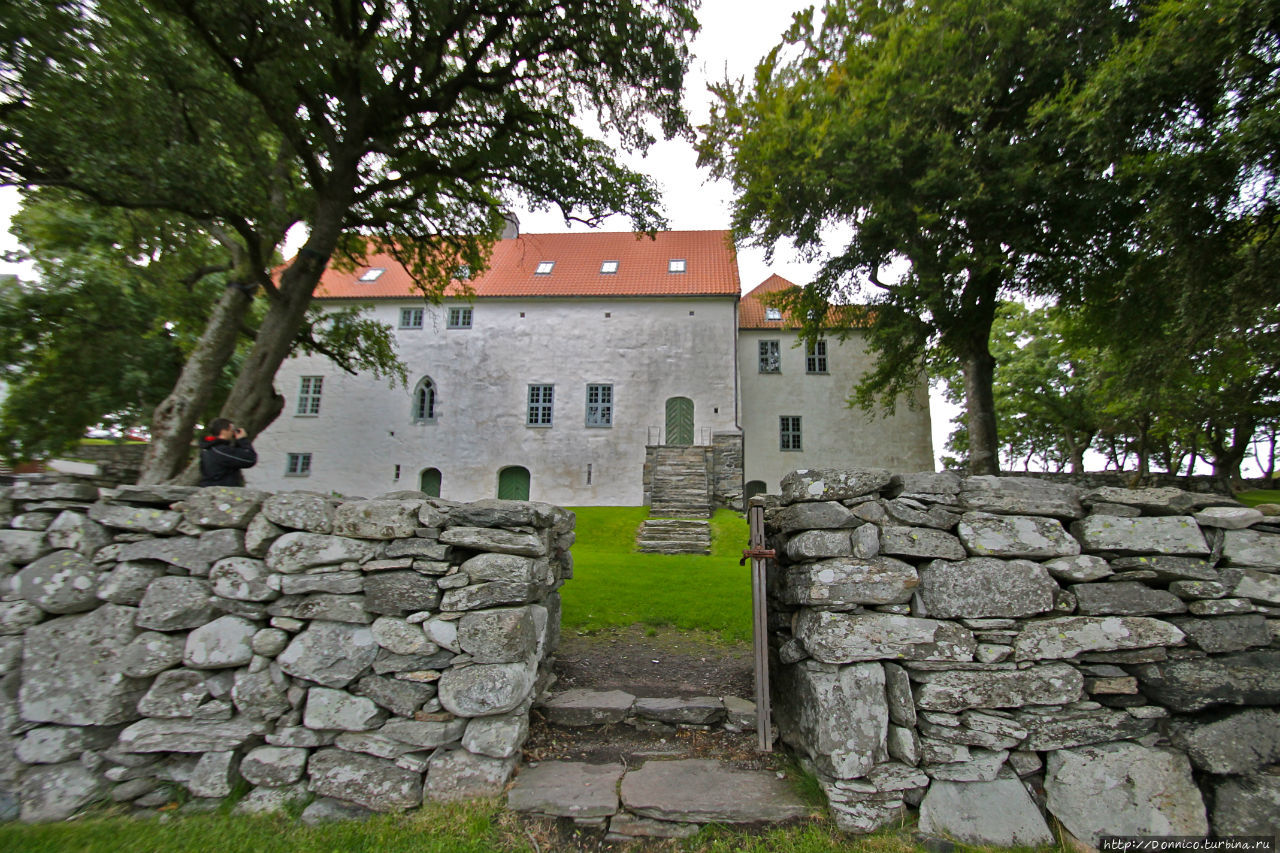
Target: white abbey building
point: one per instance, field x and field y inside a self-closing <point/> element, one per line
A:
<point x="586" y="369"/>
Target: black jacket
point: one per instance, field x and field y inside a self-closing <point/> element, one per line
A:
<point x="221" y="461"/>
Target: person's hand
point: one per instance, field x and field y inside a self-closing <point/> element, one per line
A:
<point x="240" y="433"/>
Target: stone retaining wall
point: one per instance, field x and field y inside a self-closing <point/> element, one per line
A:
<point x="997" y="649"/>
<point x="367" y="653"/>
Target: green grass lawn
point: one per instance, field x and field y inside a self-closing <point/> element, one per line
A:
<point x="615" y="586"/>
<point x="1259" y="496"/>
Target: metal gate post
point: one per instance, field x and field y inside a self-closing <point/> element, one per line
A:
<point x="758" y="553"/>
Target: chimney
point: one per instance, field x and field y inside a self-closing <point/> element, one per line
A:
<point x="512" y="229"/>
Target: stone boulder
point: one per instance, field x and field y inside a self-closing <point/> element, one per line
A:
<point x="493" y="512"/>
<point x="1225" y="633"/>
<point x="396" y="593"/>
<point x="187" y="735"/>
<point x="1068" y="636"/>
<point x="241" y="579"/>
<point x="486" y="689"/>
<point x="176" y="604"/>
<point x="1124" y="789"/>
<point x="223" y="643"/>
<point x="495" y="541"/>
<point x="1020" y="496"/>
<point x="61" y="582"/>
<point x="57" y="791"/>
<point x="195" y="554"/>
<point x="848" y="580"/>
<point x="1125" y="598"/>
<point x="817" y="544"/>
<point x="1252" y="548"/>
<point x="332" y="654"/>
<point x="831" y="484"/>
<point x="300" y="511"/>
<point x="375" y="783"/>
<point x="507" y="568"/>
<point x="1262" y="587"/>
<point x="837" y="716"/>
<point x="75" y="532"/>
<point x="223" y="506"/>
<point x="298" y="551"/>
<point x="920" y="543"/>
<point x="377" y="519"/>
<point x="823" y="515"/>
<point x="847" y="637"/>
<point x="456" y="774"/>
<point x="127" y="583"/>
<point x="1247" y="806"/>
<point x="700" y="790"/>
<point x="135" y="519"/>
<point x="22" y="546"/>
<point x="1244" y="678"/>
<point x="984" y="587"/>
<point x="273" y="766"/>
<point x="339" y="710"/>
<point x="72" y="673"/>
<point x="1175" y="535"/>
<point x="175" y="693"/>
<point x="953" y="691"/>
<point x="988" y="535"/>
<point x="1238" y="743"/>
<point x="999" y="813"/>
<point x="497" y="737"/>
<point x="503" y="635"/>
<point x="1151" y="501"/>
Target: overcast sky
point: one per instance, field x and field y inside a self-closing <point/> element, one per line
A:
<point x="735" y="35"/>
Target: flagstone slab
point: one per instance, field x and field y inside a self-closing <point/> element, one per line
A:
<point x="567" y="789"/>
<point x="699" y="790"/>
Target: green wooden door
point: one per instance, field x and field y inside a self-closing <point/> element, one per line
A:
<point x="513" y="483"/>
<point x="680" y="421"/>
<point x="429" y="481"/>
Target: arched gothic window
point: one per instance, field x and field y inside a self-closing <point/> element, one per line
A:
<point x="424" y="402"/>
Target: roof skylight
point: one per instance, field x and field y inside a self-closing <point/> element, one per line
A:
<point x="608" y="268"/>
<point x="545" y="268"/>
<point x="372" y="273"/>
<point x="675" y="265"/>
<point x="772" y="313"/>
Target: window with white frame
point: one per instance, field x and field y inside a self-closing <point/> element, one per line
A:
<point x="770" y="357"/>
<point x="309" y="395"/>
<point x="815" y="357"/>
<point x="789" y="432"/>
<point x="771" y="313"/>
<point x="599" y="405"/>
<point x="545" y="268"/>
<point x="609" y="268"/>
<point x="540" y="403"/>
<point x="297" y="465"/>
<point x="372" y="274"/>
<point x="676" y="265"/>
<point x="411" y="318"/>
<point x="459" y="318"/>
<point x="424" y="402"/>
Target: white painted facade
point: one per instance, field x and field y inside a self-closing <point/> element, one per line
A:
<point x="649" y="349"/>
<point x="831" y="434"/>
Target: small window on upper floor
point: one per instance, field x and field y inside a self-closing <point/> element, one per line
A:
<point x="309" y="395"/>
<point x="372" y="273"/>
<point x="675" y="265"/>
<point x="772" y="313"/>
<point x="770" y="357"/>
<point x="463" y="272"/>
<point x="545" y="268"/>
<point x="459" y="318"/>
<point x="815" y="357"/>
<point x="608" y="268"/>
<point x="411" y="318"/>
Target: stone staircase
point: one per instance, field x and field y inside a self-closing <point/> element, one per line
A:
<point x="681" y="487"/>
<point x="674" y="536"/>
<point x="668" y="766"/>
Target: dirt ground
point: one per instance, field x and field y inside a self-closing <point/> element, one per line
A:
<point x="654" y="662"/>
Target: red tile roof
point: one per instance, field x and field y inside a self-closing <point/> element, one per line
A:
<point x="711" y="268"/>
<point x="752" y="307"/>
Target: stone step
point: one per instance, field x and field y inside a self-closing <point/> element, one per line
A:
<point x="582" y="707"/>
<point x="662" y="798"/>
<point x="674" y="548"/>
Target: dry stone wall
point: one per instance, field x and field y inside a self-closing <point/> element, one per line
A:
<point x="364" y="653"/>
<point x="994" y="650"/>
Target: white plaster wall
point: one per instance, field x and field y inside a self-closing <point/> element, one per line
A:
<point x="649" y="349"/>
<point x="833" y="435"/>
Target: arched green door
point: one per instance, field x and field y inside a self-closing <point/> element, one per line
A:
<point x="429" y="481"/>
<point x="753" y="488"/>
<point x="680" y="421"/>
<point x="513" y="483"/>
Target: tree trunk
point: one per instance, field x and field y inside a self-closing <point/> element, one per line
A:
<point x="174" y="421"/>
<point x="980" y="409"/>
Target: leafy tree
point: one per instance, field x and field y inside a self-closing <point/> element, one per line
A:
<point x="917" y="127"/>
<point x="1045" y="389"/>
<point x="102" y="335"/>
<point x="403" y="126"/>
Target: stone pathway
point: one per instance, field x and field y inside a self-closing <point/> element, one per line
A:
<point x="651" y="787"/>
